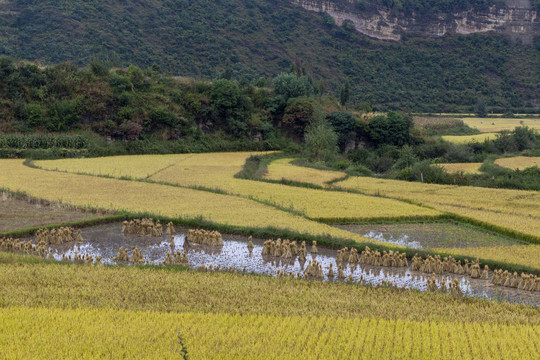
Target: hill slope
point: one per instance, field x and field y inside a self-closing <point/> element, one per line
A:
<point x="263" y="37"/>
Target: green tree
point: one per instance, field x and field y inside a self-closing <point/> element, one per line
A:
<point x="299" y="113"/>
<point x="290" y="85"/>
<point x="343" y="124"/>
<point x="481" y="108"/>
<point x="321" y="142"/>
<point x="63" y="115"/>
<point x="33" y="116"/>
<point x="344" y="94"/>
<point x="392" y="128"/>
<point x="407" y="158"/>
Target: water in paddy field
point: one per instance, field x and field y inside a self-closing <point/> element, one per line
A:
<point x="105" y="240"/>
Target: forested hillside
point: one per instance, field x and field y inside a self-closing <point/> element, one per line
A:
<point x="247" y="39"/>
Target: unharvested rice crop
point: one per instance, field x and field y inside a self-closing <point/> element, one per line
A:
<point x="516" y="210"/>
<point x="128" y="312"/>
<point x="489" y="125"/>
<point x="515" y="254"/>
<point x="144" y="166"/>
<point x="168" y="290"/>
<point x="466" y="139"/>
<point x="281" y="169"/>
<point x="317" y="204"/>
<point x="216" y="171"/>
<point x="169" y="201"/>
<point x="109" y="334"/>
<point x="466" y="168"/>
<point x="139" y="167"/>
<point x="518" y="162"/>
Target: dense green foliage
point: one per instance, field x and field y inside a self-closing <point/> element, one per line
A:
<point x="418" y="161"/>
<point x="391" y="129"/>
<point x="321" y="142"/>
<point x="243" y="40"/>
<point x="150" y="112"/>
<point x="344" y="125"/>
<point x="431" y="7"/>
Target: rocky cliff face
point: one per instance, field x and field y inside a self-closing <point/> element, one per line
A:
<point x="516" y="19"/>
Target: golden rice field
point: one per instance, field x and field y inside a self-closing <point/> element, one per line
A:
<point x="516" y="210"/>
<point x="143" y="166"/>
<point x="111" y="334"/>
<point x="281" y="169"/>
<point x="120" y="166"/>
<point x="467" y="139"/>
<point x="128" y="312"/>
<point x="518" y="162"/>
<point x="466" y="168"/>
<point x="216" y="171"/>
<point x="142" y="197"/>
<point x="169" y="290"/>
<point x="51" y="310"/>
<point x="490" y="125"/>
<point x="514" y="254"/>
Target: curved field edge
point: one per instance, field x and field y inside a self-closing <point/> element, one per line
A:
<point x="159" y="200"/>
<point x="311" y="204"/>
<point x="45" y="333"/>
<point x="274" y="233"/>
<point x="167" y="289"/>
<point x="328" y="236"/>
<point x="447" y="212"/>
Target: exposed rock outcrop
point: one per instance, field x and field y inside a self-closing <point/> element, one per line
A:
<point x="516" y="19"/>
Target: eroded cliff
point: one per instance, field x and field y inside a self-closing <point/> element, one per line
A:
<point x="516" y="19"/>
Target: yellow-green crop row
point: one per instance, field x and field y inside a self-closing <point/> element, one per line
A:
<point x="466" y="168"/>
<point x="489" y="125"/>
<point x="129" y="312"/>
<point x="466" y="139"/>
<point x="28" y="333"/>
<point x="518" y="162"/>
<point x="528" y="255"/>
<point x="143" y="166"/>
<point x="516" y="210"/>
<point x="139" y="167"/>
<point x="72" y="286"/>
<point x="156" y="199"/>
<point x="216" y="171"/>
<point x="281" y="169"/>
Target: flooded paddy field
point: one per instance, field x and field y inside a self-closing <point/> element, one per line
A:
<point x="105" y="240"/>
<point x="431" y="235"/>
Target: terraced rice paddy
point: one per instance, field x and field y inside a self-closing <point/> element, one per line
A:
<point x="490" y="125"/>
<point x="169" y="201"/>
<point x="432" y="235"/>
<point x="56" y="309"/>
<point x="467" y="139"/>
<point x="217" y="172"/>
<point x="518" y="162"/>
<point x="466" y="168"/>
<point x="16" y="213"/>
<point x="142" y="335"/>
<point x="131" y="312"/>
<point x="104" y="241"/>
<point x="280" y="169"/>
<point x="507" y="210"/>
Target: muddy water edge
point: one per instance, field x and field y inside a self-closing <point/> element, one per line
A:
<point x="105" y="240"/>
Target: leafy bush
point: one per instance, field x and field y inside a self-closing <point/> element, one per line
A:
<point x="291" y="85"/>
<point x="344" y="125"/>
<point x="321" y="142"/>
<point x="299" y="113"/>
<point x="392" y="128"/>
